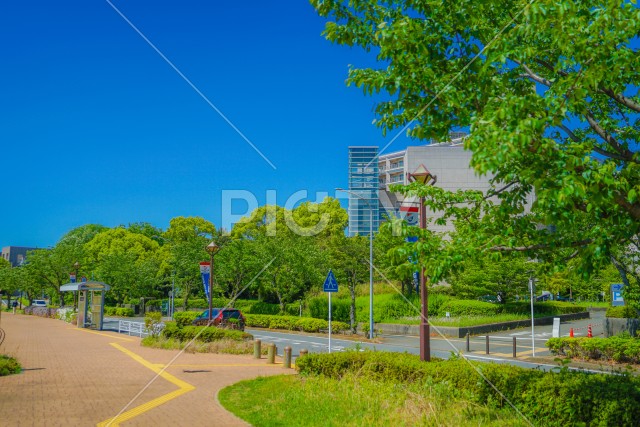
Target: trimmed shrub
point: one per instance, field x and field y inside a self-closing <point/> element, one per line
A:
<point x="550" y="398"/>
<point x="185" y="318"/>
<point x="9" y="365"/>
<point x="469" y="308"/>
<point x="622" y="312"/>
<point x="204" y="334"/>
<point x="621" y="349"/>
<point x="118" y="311"/>
<point x="293" y="323"/>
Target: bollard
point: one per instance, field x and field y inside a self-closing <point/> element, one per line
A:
<point x="286" y="363"/>
<point x="570" y="332"/>
<point x="589" y="332"/>
<point x="303" y="352"/>
<point x="271" y="353"/>
<point x="514" y="348"/>
<point x="257" y="350"/>
<point x="468" y="345"/>
<point x="487" y="338"/>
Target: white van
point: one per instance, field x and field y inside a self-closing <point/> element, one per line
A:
<point x="39" y="303"/>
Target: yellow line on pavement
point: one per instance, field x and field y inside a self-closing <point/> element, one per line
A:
<point x="184" y="387"/>
<point x="101" y="333"/>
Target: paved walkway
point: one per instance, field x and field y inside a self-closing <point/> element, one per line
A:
<point x="78" y="377"/>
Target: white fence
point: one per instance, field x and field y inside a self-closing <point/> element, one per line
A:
<point x="136" y="328"/>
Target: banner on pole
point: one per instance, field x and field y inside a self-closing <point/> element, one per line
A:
<point x="72" y="278"/>
<point x="205" y="272"/>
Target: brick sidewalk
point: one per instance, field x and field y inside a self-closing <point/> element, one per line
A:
<point x="76" y="377"/>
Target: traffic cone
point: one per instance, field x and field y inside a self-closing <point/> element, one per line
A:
<point x="589" y="334"/>
<point x="570" y="332"/>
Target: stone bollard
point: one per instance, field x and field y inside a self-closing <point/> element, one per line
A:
<point x="286" y="363"/>
<point x="271" y="354"/>
<point x="257" y="349"/>
<point x="304" y="352"/>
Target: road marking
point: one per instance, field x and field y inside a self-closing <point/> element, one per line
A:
<point x="101" y="333"/>
<point x="183" y="387"/>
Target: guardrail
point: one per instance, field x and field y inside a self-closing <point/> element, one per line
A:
<point x="137" y="328"/>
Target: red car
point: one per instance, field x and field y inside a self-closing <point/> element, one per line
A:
<point x="231" y="318"/>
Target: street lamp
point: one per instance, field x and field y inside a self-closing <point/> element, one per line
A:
<point x="370" y="257"/>
<point x="424" y="177"/>
<point x="212" y="248"/>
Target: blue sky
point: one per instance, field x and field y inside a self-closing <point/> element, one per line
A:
<point x="96" y="127"/>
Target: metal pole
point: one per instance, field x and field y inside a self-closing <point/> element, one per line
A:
<point x="173" y="294"/>
<point x="330" y="321"/>
<point x="210" y="287"/>
<point x="533" y="342"/>
<point x="370" y="272"/>
<point x="425" y="350"/>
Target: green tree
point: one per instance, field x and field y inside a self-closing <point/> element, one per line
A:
<point x="549" y="91"/>
<point x="185" y="240"/>
<point x="349" y="260"/>
<point x="129" y="262"/>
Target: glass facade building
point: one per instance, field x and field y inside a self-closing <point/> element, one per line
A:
<point x="363" y="185"/>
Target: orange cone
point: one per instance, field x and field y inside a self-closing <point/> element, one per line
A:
<point x="570" y="332"/>
<point x="589" y="334"/>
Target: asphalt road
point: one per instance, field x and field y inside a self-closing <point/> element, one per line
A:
<point x="500" y="343"/>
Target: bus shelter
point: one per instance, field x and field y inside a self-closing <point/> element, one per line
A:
<point x="90" y="302"/>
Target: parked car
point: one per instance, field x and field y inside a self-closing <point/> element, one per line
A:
<point x="567" y="299"/>
<point x="38" y="303"/>
<point x="231" y="318"/>
<point x="544" y="297"/>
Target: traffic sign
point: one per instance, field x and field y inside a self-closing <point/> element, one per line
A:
<point x="330" y="283"/>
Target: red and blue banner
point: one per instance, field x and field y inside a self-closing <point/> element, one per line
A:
<point x="205" y="272"/>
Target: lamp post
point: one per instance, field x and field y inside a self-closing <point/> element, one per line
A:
<point x="370" y="257"/>
<point x="423" y="176"/>
<point x="212" y="248"/>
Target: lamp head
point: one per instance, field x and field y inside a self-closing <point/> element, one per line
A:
<point x="423" y="176"/>
<point x="212" y="248"/>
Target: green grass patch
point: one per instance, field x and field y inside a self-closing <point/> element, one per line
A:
<point x="459" y="322"/>
<point x="9" y="366"/>
<point x="222" y="346"/>
<point x="356" y="401"/>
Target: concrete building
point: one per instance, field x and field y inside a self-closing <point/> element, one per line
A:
<point x="16" y="255"/>
<point x="449" y="162"/>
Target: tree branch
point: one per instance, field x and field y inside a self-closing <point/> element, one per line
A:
<point x="627" y="102"/>
<point x="627" y="155"/>
<point x="533" y="76"/>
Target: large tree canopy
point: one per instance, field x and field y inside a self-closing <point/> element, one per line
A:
<point x="549" y="92"/>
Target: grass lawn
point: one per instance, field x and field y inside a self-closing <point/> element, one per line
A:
<point x="291" y="400"/>
<point x="463" y="321"/>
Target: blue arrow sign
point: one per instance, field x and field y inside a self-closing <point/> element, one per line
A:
<point x="330" y="283"/>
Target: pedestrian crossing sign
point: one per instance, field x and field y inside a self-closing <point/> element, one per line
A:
<point x="330" y="283"/>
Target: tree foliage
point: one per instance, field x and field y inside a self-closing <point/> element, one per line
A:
<point x="549" y="91"/>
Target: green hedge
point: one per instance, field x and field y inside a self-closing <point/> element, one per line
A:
<point x="185" y="318"/>
<point x="617" y="348"/>
<point x="622" y="312"/>
<point x="9" y="365"/>
<point x="293" y="323"/>
<point x="205" y="334"/>
<point x="469" y="308"/>
<point x="118" y="311"/>
<point x="546" y="398"/>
